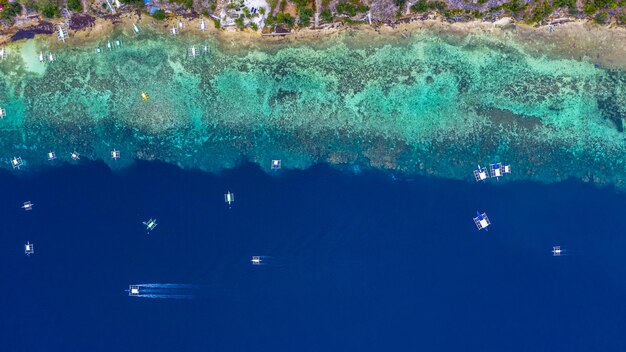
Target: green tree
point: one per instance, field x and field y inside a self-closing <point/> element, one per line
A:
<point x="564" y="3"/>
<point x="351" y="9"/>
<point x="400" y="4"/>
<point x="420" y="6"/>
<point x="217" y="23"/>
<point x="239" y="22"/>
<point x="11" y="10"/>
<point x="327" y="16"/>
<point x="283" y="18"/>
<point x="437" y="5"/>
<point x="288" y="20"/>
<point x="74" y="5"/>
<point x="49" y="9"/>
<point x="540" y="11"/>
<point x="301" y="3"/>
<point x="305" y="17"/>
<point x="159" y="15"/>
<point x="137" y="3"/>
<point x="515" y="6"/>
<point x="601" y="17"/>
<point x="590" y="9"/>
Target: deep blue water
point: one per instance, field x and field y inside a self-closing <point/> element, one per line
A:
<point x="361" y="262"/>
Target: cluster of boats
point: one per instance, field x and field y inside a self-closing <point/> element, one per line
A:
<point x="151" y="224"/>
<point x="497" y="170"/>
<point x="481" y="220"/>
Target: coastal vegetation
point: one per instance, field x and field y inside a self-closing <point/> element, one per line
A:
<point x="74" y="5"/>
<point x="351" y="8"/>
<point x="11" y="10"/>
<point x="136" y="3"/>
<point x="422" y="6"/>
<point x="159" y="15"/>
<point x="288" y="14"/>
<point x="49" y="8"/>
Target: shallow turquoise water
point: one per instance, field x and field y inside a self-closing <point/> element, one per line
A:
<point x="424" y="105"/>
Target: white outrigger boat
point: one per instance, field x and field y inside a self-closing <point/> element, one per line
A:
<point x="482" y="221"/>
<point x="229" y="198"/>
<point x="150" y="224"/>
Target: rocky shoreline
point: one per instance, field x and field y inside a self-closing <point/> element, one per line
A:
<point x="566" y="37"/>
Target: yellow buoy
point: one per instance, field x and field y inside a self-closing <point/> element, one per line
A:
<point x="144" y="96"/>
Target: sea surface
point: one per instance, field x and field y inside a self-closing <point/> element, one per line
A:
<point x="357" y="261"/>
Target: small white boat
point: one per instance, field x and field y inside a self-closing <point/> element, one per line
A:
<point x="480" y="174"/>
<point x="17" y="162"/>
<point x="27" y="206"/>
<point x="29" y="248"/>
<point x="150" y="224"/>
<point x="229" y="198"/>
<point x="115" y="154"/>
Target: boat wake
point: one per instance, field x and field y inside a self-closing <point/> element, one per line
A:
<point x="171" y="291"/>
